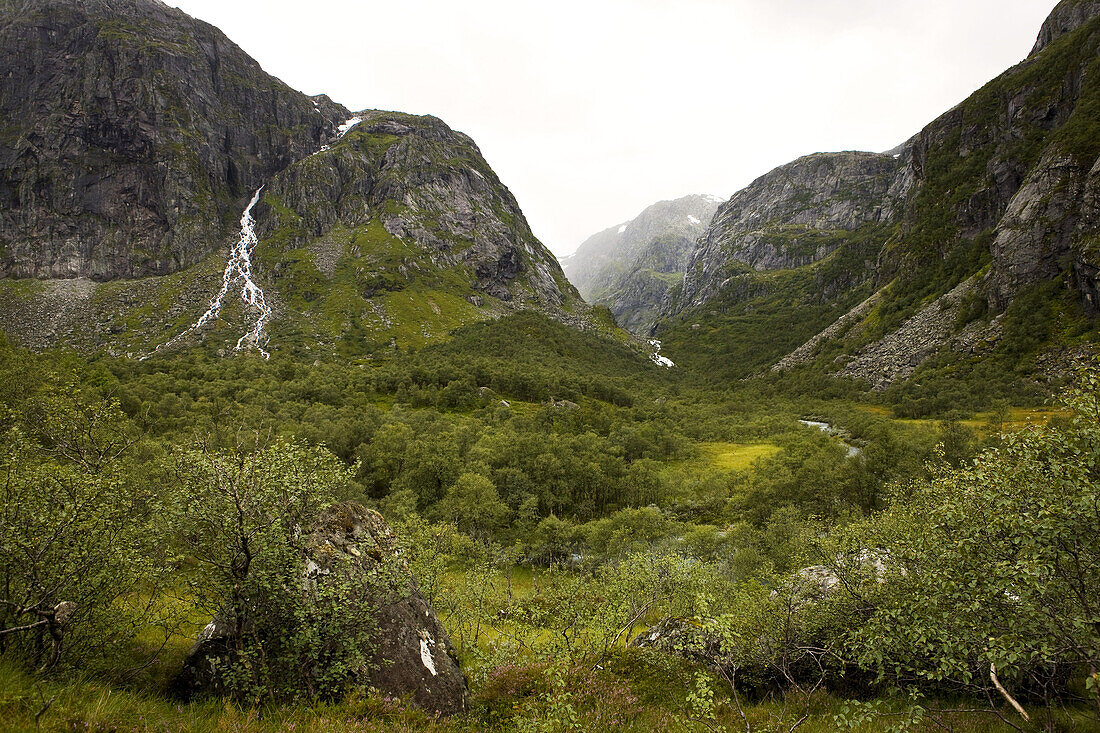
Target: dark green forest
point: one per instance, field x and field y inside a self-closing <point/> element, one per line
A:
<point x="556" y="495"/>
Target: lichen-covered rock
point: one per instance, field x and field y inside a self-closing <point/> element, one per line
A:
<point x="410" y="655"/>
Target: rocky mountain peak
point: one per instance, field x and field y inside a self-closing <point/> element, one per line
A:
<point x="631" y="267"/>
<point x="779" y="220"/>
<point x="1068" y="16"/>
<point x="132" y="138"/>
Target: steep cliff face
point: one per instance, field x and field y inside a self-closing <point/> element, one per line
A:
<point x="131" y="137"/>
<point x="630" y="268"/>
<point x="959" y="234"/>
<point x="1004" y="174"/>
<point x="1067" y="17"/>
<point x="791" y="217"/>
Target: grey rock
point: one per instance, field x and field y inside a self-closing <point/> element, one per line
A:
<point x="897" y="355"/>
<point x="1053" y="219"/>
<point x="1067" y="16"/>
<point x="777" y="221"/>
<point x="429" y="186"/>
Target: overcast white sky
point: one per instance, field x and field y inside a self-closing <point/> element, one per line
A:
<point x="590" y="110"/>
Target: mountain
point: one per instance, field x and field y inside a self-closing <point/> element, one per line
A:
<point x="630" y="267"/>
<point x="973" y="244"/>
<point x="134" y="138"/>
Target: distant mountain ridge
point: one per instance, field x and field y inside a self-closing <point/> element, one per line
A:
<point x="632" y="266"/>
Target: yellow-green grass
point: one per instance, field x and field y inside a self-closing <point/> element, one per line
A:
<point x="734" y="456"/>
<point x="656" y="701"/>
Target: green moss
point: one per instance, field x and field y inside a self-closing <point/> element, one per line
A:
<point x="376" y="144"/>
<point x="21" y="289"/>
<point x="144" y="34"/>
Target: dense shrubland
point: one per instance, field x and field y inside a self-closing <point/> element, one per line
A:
<point x="556" y="496"/>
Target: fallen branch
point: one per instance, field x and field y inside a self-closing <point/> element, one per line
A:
<point x="1004" y="693"/>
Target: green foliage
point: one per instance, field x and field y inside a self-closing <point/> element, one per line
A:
<point x="77" y="547"/>
<point x="993" y="566"/>
<point x="759" y="317"/>
<point x="473" y="505"/>
<point x="1039" y="317"/>
<point x="242" y="519"/>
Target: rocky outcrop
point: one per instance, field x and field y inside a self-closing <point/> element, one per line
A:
<point x="631" y="268"/>
<point x="784" y="219"/>
<point x="600" y="260"/>
<point x="431" y="193"/>
<point x="897" y="355"/>
<point x="411" y="653"/>
<point x="131" y="137"/>
<point x="1051" y="226"/>
<point x="1068" y="16"/>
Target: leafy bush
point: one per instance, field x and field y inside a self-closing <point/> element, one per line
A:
<point x="244" y="519"/>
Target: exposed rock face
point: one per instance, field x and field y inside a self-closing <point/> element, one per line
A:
<point x="131" y="136"/>
<point x="631" y="267"/>
<point x="412" y="654"/>
<point x="426" y="185"/>
<point x="1052" y="222"/>
<point x="1067" y="17"/>
<point x="783" y="219"/>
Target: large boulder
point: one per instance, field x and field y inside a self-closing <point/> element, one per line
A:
<point x="410" y="654"/>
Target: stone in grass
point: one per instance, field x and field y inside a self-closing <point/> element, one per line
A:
<point x="412" y="654"/>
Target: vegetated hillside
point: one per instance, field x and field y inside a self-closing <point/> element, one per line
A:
<point x="968" y="251"/>
<point x="139" y="136"/>
<point x="630" y="267"/>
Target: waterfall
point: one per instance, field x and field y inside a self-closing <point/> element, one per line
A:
<point x="656" y="355"/>
<point x="239" y="268"/>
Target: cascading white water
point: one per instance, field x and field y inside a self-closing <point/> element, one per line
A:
<point x="656" y="355"/>
<point x="239" y="267"/>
